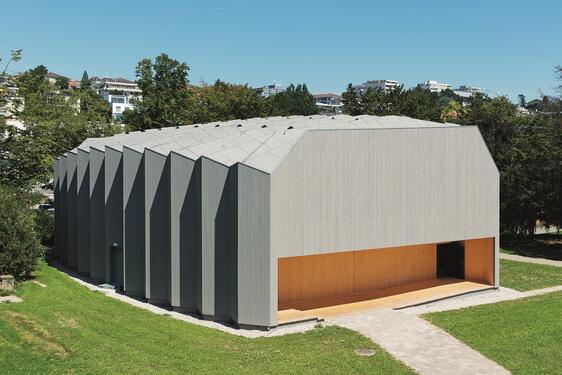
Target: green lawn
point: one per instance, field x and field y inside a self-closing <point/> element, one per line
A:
<point x="524" y="336"/>
<point x="527" y="276"/>
<point x="65" y="328"/>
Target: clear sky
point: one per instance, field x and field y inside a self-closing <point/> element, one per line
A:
<point x="506" y="46"/>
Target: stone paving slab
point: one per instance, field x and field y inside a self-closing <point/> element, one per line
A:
<point x="521" y="258"/>
<point x="424" y="347"/>
<point x="10" y="299"/>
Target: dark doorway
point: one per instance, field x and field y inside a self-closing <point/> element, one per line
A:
<point x="450" y="260"/>
<point x="116" y="266"/>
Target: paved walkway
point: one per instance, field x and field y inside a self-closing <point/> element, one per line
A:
<point x="424" y="347"/>
<point x="520" y="258"/>
<point x="492" y="296"/>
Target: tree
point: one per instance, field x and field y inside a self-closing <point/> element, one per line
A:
<point x="373" y="102"/>
<point x="350" y="100"/>
<point x="223" y="101"/>
<point x="522" y="101"/>
<point x="19" y="245"/>
<point x="164" y="94"/>
<point x="495" y="119"/>
<point x="15" y="56"/>
<point x="85" y="81"/>
<point x="55" y="121"/>
<point x="295" y="100"/>
<point x="61" y="83"/>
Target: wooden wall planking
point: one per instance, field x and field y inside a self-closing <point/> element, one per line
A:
<point x="313" y="277"/>
<point x="479" y="260"/>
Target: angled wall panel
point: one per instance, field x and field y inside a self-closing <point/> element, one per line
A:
<point x="83" y="208"/>
<point x="184" y="229"/>
<point x="96" y="213"/>
<point x="133" y="223"/>
<point x="157" y="227"/>
<point x="214" y="237"/>
<point x="56" y="188"/>
<point x="113" y="169"/>
<point x="62" y="253"/>
<point x="256" y="268"/>
<point x="72" y="211"/>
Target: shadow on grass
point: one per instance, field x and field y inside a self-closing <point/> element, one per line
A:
<point x="547" y="245"/>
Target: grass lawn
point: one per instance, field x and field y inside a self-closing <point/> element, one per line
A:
<point x="65" y="328"/>
<point x="524" y="336"/>
<point x="527" y="276"/>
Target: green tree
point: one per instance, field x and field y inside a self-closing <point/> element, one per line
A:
<point x="85" y="81"/>
<point x="164" y="95"/>
<point x="350" y="100"/>
<point x="495" y="119"/>
<point x="373" y="102"/>
<point x="222" y="101"/>
<point x="19" y="245"/>
<point x="295" y="100"/>
<point x="55" y="121"/>
<point x="15" y="56"/>
<point x="61" y="83"/>
<point x="522" y="101"/>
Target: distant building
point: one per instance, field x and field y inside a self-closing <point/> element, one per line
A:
<point x="466" y="91"/>
<point x="471" y="89"/>
<point x="384" y="85"/>
<point x="273" y="89"/>
<point x="52" y="77"/>
<point x="434" y="86"/>
<point x="328" y="103"/>
<point x="11" y="105"/>
<point x="118" y="92"/>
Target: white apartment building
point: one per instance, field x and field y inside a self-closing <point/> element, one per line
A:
<point x="384" y="85"/>
<point x="434" y="86"/>
<point x="329" y="103"/>
<point x="466" y="91"/>
<point x="118" y="92"/>
<point x="471" y="89"/>
<point x="269" y="90"/>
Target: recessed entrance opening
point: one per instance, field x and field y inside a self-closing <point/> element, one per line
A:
<point x="450" y="260"/>
<point x="330" y="284"/>
<point x="116" y="266"/>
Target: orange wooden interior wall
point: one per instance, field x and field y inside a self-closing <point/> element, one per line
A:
<point x="312" y="277"/>
<point x="479" y="260"/>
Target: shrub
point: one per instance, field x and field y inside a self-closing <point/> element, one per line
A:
<point x="20" y="248"/>
<point x="45" y="226"/>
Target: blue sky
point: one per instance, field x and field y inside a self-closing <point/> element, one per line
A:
<point x="508" y="47"/>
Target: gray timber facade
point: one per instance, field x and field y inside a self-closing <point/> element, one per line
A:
<point x="197" y="217"/>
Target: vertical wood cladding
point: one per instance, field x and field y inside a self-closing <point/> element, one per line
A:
<point x="312" y="277"/>
<point x="479" y="260"/>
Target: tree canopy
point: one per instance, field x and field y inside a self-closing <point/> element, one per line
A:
<point x="295" y="100"/>
<point x="55" y="120"/>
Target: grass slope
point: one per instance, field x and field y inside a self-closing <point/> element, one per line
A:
<point x="527" y="276"/>
<point x="66" y="328"/>
<point x="524" y="335"/>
